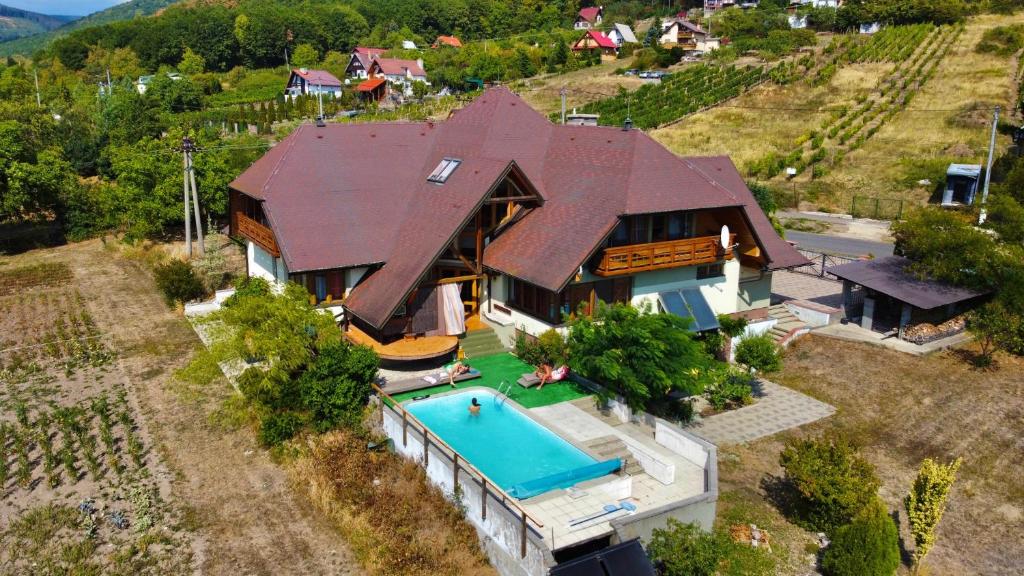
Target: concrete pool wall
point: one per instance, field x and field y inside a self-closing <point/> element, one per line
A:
<point x="501" y="531"/>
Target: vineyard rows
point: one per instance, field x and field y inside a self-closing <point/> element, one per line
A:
<point x="678" y="94"/>
<point x="847" y="130"/>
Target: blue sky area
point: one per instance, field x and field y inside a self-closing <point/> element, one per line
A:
<point x="70" y="7"/>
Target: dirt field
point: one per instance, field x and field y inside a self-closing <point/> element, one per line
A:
<point x="902" y="409"/>
<point x="932" y="128"/>
<point x="217" y="503"/>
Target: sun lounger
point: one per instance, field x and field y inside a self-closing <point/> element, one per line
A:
<point x="528" y="380"/>
<point x="428" y="381"/>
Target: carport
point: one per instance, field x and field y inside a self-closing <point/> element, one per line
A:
<point x="884" y="295"/>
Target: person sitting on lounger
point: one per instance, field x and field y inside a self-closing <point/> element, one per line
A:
<point x="556" y="375"/>
<point x="455" y="369"/>
<point x="543" y="372"/>
<point x="474" y="407"/>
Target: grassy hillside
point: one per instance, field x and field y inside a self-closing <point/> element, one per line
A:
<point x="131" y="9"/>
<point x="17" y="23"/>
<point x="915" y="143"/>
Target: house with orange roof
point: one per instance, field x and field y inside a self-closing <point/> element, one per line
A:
<point x="452" y="41"/>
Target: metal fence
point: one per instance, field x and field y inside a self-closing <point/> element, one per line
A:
<point x="820" y="261"/>
<point x="877" y="208"/>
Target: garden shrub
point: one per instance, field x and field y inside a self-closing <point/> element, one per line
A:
<point x="760" y="353"/>
<point x="249" y="286"/>
<point x="731" y="389"/>
<point x="337" y="385"/>
<point x="686" y="550"/>
<point x="549" y="347"/>
<point x="178" y="282"/>
<point x="832" y="481"/>
<point x="636" y="353"/>
<point x="279" y="427"/>
<point x="868" y="546"/>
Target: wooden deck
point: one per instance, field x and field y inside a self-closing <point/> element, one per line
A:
<point x="406" y="349"/>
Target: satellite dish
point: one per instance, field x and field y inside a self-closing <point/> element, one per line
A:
<point x="724" y="238"/>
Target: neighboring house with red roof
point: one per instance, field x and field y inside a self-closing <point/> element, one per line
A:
<point x="687" y="35"/>
<point x="399" y="73"/>
<point x="447" y="41"/>
<point x="589" y="17"/>
<point x="596" y="40"/>
<point x="529" y="220"/>
<point x="306" y="81"/>
<point x="360" y="59"/>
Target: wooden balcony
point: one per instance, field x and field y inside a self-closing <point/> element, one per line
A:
<point x="659" y="255"/>
<point x="258" y="233"/>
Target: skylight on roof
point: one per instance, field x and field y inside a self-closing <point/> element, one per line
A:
<point x="444" y="170"/>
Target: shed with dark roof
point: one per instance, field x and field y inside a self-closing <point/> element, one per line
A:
<point x="893" y="296"/>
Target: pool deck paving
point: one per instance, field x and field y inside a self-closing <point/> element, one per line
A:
<point x="776" y="408"/>
<point x="558" y="508"/>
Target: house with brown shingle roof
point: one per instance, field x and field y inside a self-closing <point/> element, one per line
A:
<point x="360" y="59"/>
<point x="497" y="212"/>
<point x="400" y="74"/>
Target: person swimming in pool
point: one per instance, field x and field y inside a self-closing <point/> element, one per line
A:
<point x="474" y="407"/>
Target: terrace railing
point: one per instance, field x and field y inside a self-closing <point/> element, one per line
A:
<point x="487" y="486"/>
<point x="656" y="255"/>
<point x="258" y="233"/>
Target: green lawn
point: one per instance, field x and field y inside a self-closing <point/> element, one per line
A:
<point x="505" y="367"/>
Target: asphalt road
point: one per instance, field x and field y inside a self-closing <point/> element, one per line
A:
<point x="838" y="245"/>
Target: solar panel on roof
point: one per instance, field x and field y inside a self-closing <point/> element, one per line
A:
<point x="625" y="559"/>
<point x="690" y="303"/>
<point x="702" y="312"/>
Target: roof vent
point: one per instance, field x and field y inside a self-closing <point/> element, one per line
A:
<point x="304" y="70"/>
<point x="627" y="125"/>
<point x="444" y="170"/>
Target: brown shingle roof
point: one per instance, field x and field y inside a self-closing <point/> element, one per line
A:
<point x="398" y="67"/>
<point x="356" y="194"/>
<point x="315" y="77"/>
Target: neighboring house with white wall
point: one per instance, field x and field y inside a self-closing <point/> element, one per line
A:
<point x="400" y="74"/>
<point x="532" y="220"/>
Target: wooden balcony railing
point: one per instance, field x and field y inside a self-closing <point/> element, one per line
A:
<point x="258" y="233"/>
<point x="657" y="255"/>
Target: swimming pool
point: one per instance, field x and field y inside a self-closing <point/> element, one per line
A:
<point x="503" y="443"/>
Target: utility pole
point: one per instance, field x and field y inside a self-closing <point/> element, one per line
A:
<point x="39" y="100"/>
<point x="320" y="101"/>
<point x="563" y="92"/>
<point x="189" y="179"/>
<point x="184" y="187"/>
<point x="988" y="168"/>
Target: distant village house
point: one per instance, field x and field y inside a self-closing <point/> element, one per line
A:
<point x="687" y="35"/>
<point x="359" y="63"/>
<point x="621" y="34"/>
<point x="451" y="41"/>
<point x="596" y="40"/>
<point x="303" y="81"/>
<point x="589" y="17"/>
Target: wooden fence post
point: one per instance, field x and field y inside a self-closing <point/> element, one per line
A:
<point x="483" y="498"/>
<point x="426" y="448"/>
<point x="455" y="474"/>
<point x="522" y="546"/>
<point x="405" y="428"/>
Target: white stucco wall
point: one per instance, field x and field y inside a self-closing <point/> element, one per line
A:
<point x="263" y="265"/>
<point x="754" y="291"/>
<point x="720" y="292"/>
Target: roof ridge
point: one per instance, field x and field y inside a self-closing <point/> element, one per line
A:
<point x="710" y="180"/>
<point x="292" y="138"/>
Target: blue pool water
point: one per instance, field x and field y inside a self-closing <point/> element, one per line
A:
<point x="502" y="442"/>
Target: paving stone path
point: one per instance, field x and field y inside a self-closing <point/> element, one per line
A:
<point x="776" y="408"/>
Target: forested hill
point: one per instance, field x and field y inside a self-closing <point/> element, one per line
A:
<point x="25" y="44"/>
<point x="17" y="23"/>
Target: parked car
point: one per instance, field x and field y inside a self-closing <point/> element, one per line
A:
<point x="631" y="72"/>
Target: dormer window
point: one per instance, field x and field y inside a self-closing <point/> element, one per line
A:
<point x="444" y="170"/>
